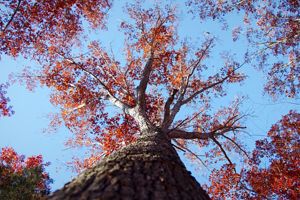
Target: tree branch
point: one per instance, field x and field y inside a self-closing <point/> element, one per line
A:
<point x="141" y="89"/>
<point x="222" y="149"/>
<point x="189" y="151"/>
<point x="187" y="120"/>
<point x="181" y="134"/>
<point x="238" y="146"/>
<point x="184" y="87"/>
<point x="180" y="102"/>
<point x="177" y="133"/>
<point x="128" y="85"/>
<point x="178" y="147"/>
<point x="195" y="65"/>
<point x="167" y="107"/>
<point x="12" y="17"/>
<point x="110" y="96"/>
<point x="203" y="90"/>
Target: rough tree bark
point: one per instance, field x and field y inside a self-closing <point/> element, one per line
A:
<point x="146" y="169"/>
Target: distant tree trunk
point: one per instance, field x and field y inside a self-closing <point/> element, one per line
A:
<point x="147" y="169"/>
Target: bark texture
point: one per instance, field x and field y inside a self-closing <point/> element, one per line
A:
<point x="147" y="169"/>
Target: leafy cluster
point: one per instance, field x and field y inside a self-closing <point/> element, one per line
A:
<point x="273" y="29"/>
<point x="22" y="178"/>
<point x="5" y="108"/>
<point x="31" y="27"/>
<point x="273" y="171"/>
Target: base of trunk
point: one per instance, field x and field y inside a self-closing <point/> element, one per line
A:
<point x="147" y="169"/>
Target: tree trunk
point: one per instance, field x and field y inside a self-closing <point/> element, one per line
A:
<point x="146" y="169"/>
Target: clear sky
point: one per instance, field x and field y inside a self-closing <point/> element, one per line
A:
<point x="24" y="130"/>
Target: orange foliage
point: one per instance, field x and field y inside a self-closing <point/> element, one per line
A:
<point x="273" y="29"/>
<point x="280" y="180"/>
<point x="160" y="75"/>
<point x="20" y="177"/>
<point x="46" y="25"/>
<point x="5" y="109"/>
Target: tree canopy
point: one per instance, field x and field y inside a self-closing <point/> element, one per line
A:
<point x="163" y="82"/>
<point x="273" y="29"/>
<point x="278" y="180"/>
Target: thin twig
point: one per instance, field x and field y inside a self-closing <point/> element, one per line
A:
<point x="223" y="151"/>
<point x="231" y="140"/>
<point x="195" y="155"/>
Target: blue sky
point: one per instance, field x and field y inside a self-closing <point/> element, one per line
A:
<point x="24" y="130"/>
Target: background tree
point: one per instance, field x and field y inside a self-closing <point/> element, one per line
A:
<point x="22" y="178"/>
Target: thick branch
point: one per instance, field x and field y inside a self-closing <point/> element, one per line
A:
<point x="140" y="117"/>
<point x="167" y="107"/>
<point x="141" y="89"/>
<point x="174" y="111"/>
<point x="177" y="133"/>
<point x="13" y="15"/>
<point x="181" y="134"/>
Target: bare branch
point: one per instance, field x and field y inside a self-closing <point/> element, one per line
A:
<point x="141" y="89"/>
<point x="178" y="147"/>
<point x="12" y="17"/>
<point x="187" y="120"/>
<point x="184" y="87"/>
<point x="167" y="106"/>
<point x="222" y="149"/>
<point x="110" y="96"/>
<point x="204" y="89"/>
<point x="177" y="133"/>
<point x="189" y="151"/>
<point x="180" y="102"/>
<point x="195" y="65"/>
<point x="237" y="145"/>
